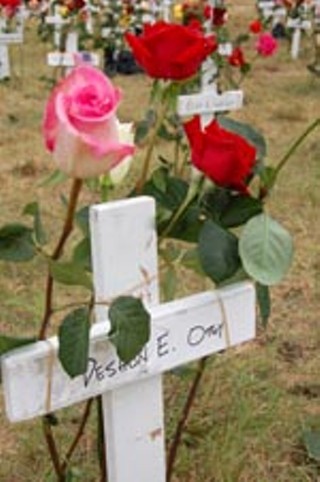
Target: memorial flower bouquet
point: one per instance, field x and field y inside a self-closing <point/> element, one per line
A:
<point x="211" y="185"/>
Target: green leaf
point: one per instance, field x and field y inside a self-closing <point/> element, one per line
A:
<point x="218" y="252"/>
<point x="74" y="342"/>
<point x="82" y="220"/>
<point x="268" y="176"/>
<point x="130" y="327"/>
<point x="239" y="210"/>
<point x="311" y="440"/>
<point x="264" y="302"/>
<point x="8" y="343"/>
<point x="57" y="177"/>
<point x="82" y="254"/>
<point x="229" y="209"/>
<point x="169" y="284"/>
<point x="266" y="250"/>
<point x="245" y="130"/>
<point x="33" y="210"/>
<point x="16" y="243"/>
<point x="191" y="260"/>
<point x="70" y="273"/>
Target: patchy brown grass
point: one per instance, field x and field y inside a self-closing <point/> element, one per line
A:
<point x="254" y="402"/>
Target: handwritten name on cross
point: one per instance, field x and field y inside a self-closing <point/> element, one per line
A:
<point x="124" y="249"/>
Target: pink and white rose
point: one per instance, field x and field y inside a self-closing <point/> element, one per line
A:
<point x="80" y="126"/>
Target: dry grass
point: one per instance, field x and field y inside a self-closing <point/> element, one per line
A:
<point x="254" y="402"/>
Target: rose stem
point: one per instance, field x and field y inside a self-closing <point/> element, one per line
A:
<point x="101" y="442"/>
<point x="52" y="447"/>
<point x="183" y="417"/>
<point x="78" y="435"/>
<point x="147" y="160"/>
<point x="295" y="146"/>
<point x="67" y="229"/>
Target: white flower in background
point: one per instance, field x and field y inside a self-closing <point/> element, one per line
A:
<point x="126" y="135"/>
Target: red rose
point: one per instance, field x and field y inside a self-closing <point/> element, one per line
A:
<point x="225" y="157"/>
<point x="236" y="59"/>
<point x="219" y="16"/>
<point x="255" y="26"/>
<point x="170" y="51"/>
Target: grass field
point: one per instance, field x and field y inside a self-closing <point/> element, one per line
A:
<point x="256" y="401"/>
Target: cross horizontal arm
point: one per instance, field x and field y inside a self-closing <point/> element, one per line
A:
<point x="181" y="331"/>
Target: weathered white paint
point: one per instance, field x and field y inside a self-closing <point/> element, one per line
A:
<point x="124" y="244"/>
<point x="4" y="62"/>
<point x="297" y="25"/>
<point x="166" y="10"/>
<point x="211" y="102"/>
<point x="58" y="22"/>
<point x="182" y="331"/>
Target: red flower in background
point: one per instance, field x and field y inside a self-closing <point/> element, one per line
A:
<point x="266" y="44"/>
<point x="10" y="6"/>
<point x="170" y="51"/>
<point x="255" y="26"/>
<point x="225" y="157"/>
<point x="236" y="59"/>
<point x="217" y="14"/>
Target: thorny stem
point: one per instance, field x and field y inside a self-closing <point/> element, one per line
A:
<point x="67" y="229"/>
<point x="150" y="148"/>
<point x="78" y="435"/>
<point x="183" y="418"/>
<point x="193" y="189"/>
<point x="47" y="430"/>
<point x="295" y="146"/>
<point x="101" y="441"/>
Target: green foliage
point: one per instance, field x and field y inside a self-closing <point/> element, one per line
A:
<point x="70" y="273"/>
<point x="16" y="243"/>
<point x="33" y="210"/>
<point x="82" y="254"/>
<point x="54" y="179"/>
<point x="170" y="192"/>
<point x="218" y="252"/>
<point x="82" y="220"/>
<point x="266" y="250"/>
<point x="245" y="130"/>
<point x="142" y="128"/>
<point x="170" y="283"/>
<point x="311" y="440"/>
<point x="130" y="327"/>
<point x="8" y="343"/>
<point x="264" y="302"/>
<point x="74" y="342"/>
<point x="191" y="260"/>
<point x="230" y="209"/>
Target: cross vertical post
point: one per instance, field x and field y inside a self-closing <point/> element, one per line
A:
<point x="125" y="261"/>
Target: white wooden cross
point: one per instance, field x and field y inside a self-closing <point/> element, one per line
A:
<point x="71" y="56"/>
<point x="8" y="38"/>
<point x="297" y="25"/>
<point x="266" y="7"/>
<point x="166" y="10"/>
<point x="58" y="22"/>
<point x="124" y="248"/>
<point x="209" y="101"/>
